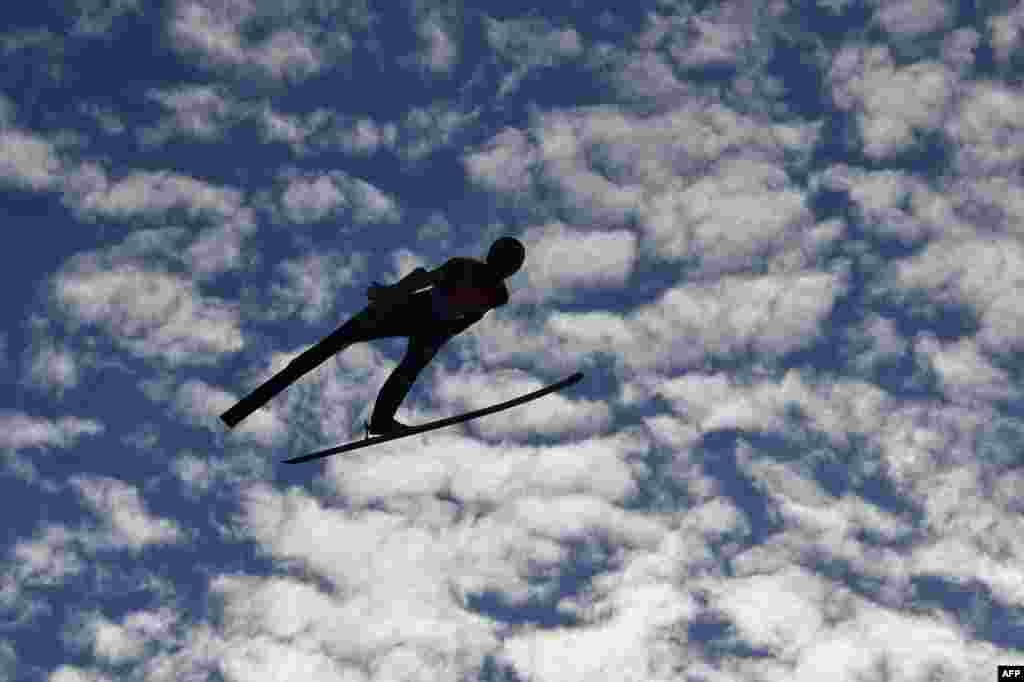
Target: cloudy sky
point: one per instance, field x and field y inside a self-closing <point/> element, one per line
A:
<point x="783" y="239"/>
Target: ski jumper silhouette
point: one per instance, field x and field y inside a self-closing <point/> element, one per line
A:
<point x="458" y="295"/>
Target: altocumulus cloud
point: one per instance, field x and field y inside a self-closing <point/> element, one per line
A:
<point x="782" y="240"/>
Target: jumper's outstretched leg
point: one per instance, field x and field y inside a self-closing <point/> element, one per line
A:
<point x="337" y="341"/>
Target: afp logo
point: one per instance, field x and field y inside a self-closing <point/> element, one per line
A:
<point x="1011" y="672"/>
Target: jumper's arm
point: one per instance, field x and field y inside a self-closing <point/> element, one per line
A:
<point x="416" y="280"/>
<point x="394" y="294"/>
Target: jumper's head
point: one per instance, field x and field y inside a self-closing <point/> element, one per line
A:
<point x="506" y="256"/>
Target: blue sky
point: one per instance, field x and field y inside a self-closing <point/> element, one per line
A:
<point x="782" y="239"/>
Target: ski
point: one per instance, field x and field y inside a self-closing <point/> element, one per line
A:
<point x="440" y="423"/>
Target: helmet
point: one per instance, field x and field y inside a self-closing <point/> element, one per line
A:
<point x="506" y="256"/>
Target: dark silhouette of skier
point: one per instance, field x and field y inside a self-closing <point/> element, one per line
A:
<point x="427" y="307"/>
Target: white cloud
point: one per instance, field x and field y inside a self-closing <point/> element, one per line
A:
<point x="436" y="230"/>
<point x="403" y="479"/>
<point x="982" y="273"/>
<point x="683" y="328"/>
<point x="891" y="103"/>
<point x="439" y="52"/>
<point x="125" y="522"/>
<point x="800" y="618"/>
<point x="324" y="130"/>
<point x="611" y="168"/>
<point x="200" y="476"/>
<point x="291" y="129"/>
<point x="966" y="375"/>
<point x="530" y="44"/>
<point x="891" y="204"/>
<point x="563" y="257"/>
<point x="50" y="558"/>
<point x="896" y="205"/>
<point x="642" y="78"/>
<point x="201" y="403"/>
<point x="218" y="248"/>
<point x="152" y="313"/>
<point x="973" y="534"/>
<point x="571" y="517"/>
<point x="367" y="136"/>
<point x="512" y="541"/>
<point x="214" y="32"/>
<point x="362" y="136"/>
<point x="770" y="315"/>
<point x="919" y="440"/>
<point x="883" y="340"/>
<point x="565" y="143"/>
<point x="424" y="130"/>
<point x="202" y="112"/>
<point x="124" y="642"/>
<point x="8" y="660"/>
<point x="28" y="161"/>
<point x="504" y="164"/>
<point x="95" y="18"/>
<point x="311" y="200"/>
<point x="818" y="524"/>
<point x="371" y="205"/>
<point x="959" y="46"/>
<point x="1007" y="32"/>
<point x="960" y="560"/>
<point x="298" y="40"/>
<point x="628" y="645"/>
<point x="785" y="612"/>
<point x="308" y="198"/>
<point x="195" y="474"/>
<point x="718" y="38"/>
<point x="208" y="114"/>
<point x="312" y="283"/>
<point x="718" y="401"/>
<point x="18" y="606"/>
<point x="109" y="121"/>
<point x="995" y="203"/>
<point x="910" y="18"/>
<point x="150" y="195"/>
<point x="53" y="368"/>
<point x="987" y="131"/>
<point x="266" y="659"/>
<point x="19" y="431"/>
<point x="729" y="219"/>
<point x="360" y="622"/>
<point x="155" y="197"/>
<point x="214" y="249"/>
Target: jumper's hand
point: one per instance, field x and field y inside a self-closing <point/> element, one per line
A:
<point x="383" y="296"/>
<point x="376" y="292"/>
